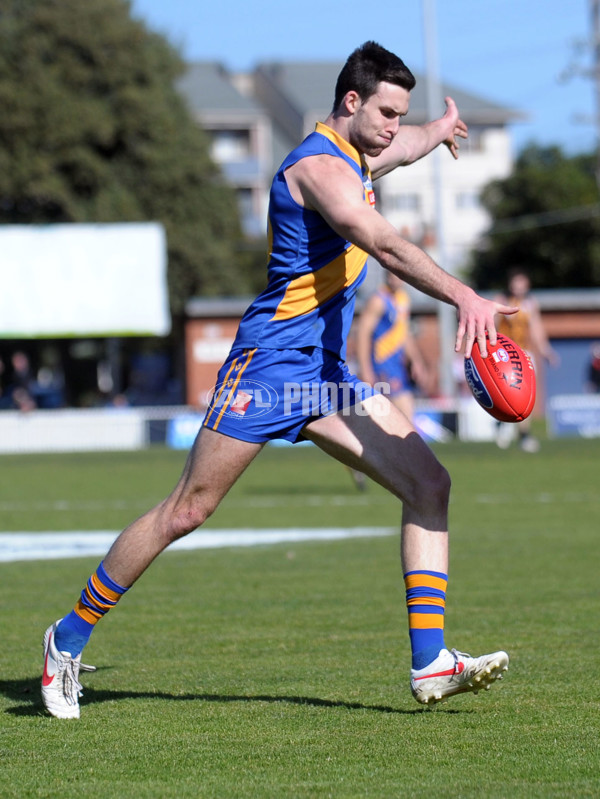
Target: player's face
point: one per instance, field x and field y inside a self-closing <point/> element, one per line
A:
<point x="519" y="286"/>
<point x="376" y="121"/>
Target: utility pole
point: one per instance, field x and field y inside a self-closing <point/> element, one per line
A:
<point x="435" y="103"/>
<point x="575" y="68"/>
<point x="595" y="21"/>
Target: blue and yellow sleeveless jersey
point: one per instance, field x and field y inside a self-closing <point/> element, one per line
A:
<point x="389" y="336"/>
<point x="313" y="273"/>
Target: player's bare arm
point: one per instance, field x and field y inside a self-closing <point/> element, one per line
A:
<point x="332" y="188"/>
<point x="419" y="368"/>
<point x="539" y="336"/>
<point x="413" y="142"/>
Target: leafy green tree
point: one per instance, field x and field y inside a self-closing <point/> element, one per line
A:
<point x="546" y="218"/>
<point x="93" y="130"/>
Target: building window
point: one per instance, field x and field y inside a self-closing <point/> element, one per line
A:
<point x="229" y="146"/>
<point x="474" y="141"/>
<point x="468" y="200"/>
<point x="245" y="202"/>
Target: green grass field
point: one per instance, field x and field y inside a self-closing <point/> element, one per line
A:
<point x="282" y="671"/>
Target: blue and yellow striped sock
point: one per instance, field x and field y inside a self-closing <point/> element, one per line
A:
<point x="426" y="602"/>
<point x="97" y="598"/>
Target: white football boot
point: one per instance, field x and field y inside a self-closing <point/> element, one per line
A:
<point x="61" y="688"/>
<point x="456" y="673"/>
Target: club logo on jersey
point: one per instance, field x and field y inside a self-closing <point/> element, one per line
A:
<point x="369" y="193"/>
<point x="243" y="398"/>
<point x="240" y="403"/>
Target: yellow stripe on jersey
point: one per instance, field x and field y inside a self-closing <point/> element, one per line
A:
<point x="233" y="387"/>
<point x="215" y="401"/>
<point x="341" y="143"/>
<point x="308" y="292"/>
<point x="391" y="341"/>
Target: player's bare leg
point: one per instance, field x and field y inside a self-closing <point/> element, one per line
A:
<point x="378" y="439"/>
<point x="405" y="403"/>
<point x="213" y="466"/>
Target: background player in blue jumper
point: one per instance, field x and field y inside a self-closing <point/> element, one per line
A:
<point x="386" y="350"/>
<point x="322" y="227"/>
<point x="387" y="354"/>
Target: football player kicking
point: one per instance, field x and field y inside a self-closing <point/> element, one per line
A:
<point x="323" y="224"/>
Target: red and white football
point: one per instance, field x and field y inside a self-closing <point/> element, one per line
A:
<point x="504" y="382"/>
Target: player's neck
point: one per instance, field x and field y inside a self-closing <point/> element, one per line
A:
<point x="340" y="123"/>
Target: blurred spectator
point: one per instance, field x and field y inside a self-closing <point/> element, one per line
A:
<point x="48" y="389"/>
<point x="5" y="400"/>
<point x="22" y="385"/>
<point x="22" y="400"/>
<point x="22" y="376"/>
<point x="24" y="390"/>
<point x="593" y="371"/>
<point x="118" y="401"/>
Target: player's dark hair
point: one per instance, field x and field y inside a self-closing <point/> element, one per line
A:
<point x="367" y="67"/>
<point x="515" y="271"/>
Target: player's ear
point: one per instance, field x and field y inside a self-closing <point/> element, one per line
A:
<point x="351" y="101"/>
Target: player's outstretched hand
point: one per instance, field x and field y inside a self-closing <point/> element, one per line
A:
<point x="475" y="319"/>
<point x="456" y="127"/>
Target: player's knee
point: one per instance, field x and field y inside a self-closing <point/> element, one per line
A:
<point x="433" y="488"/>
<point x="188" y="516"/>
<point x="441" y="484"/>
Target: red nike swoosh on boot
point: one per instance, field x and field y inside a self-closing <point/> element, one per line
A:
<point x="460" y="667"/>
<point x="47" y="678"/>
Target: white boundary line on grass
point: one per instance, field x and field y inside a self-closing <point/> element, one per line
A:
<point x="293" y="500"/>
<point x="80" y="544"/>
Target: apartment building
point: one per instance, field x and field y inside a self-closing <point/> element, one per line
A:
<point x="256" y="118"/>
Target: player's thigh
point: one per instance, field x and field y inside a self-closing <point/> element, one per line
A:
<point x="378" y="439"/>
<point x="213" y="465"/>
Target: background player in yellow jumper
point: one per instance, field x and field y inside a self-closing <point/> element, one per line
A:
<point x="322" y="225"/>
<point x="526" y="329"/>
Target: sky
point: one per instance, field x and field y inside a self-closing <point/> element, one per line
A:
<point x="512" y="52"/>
